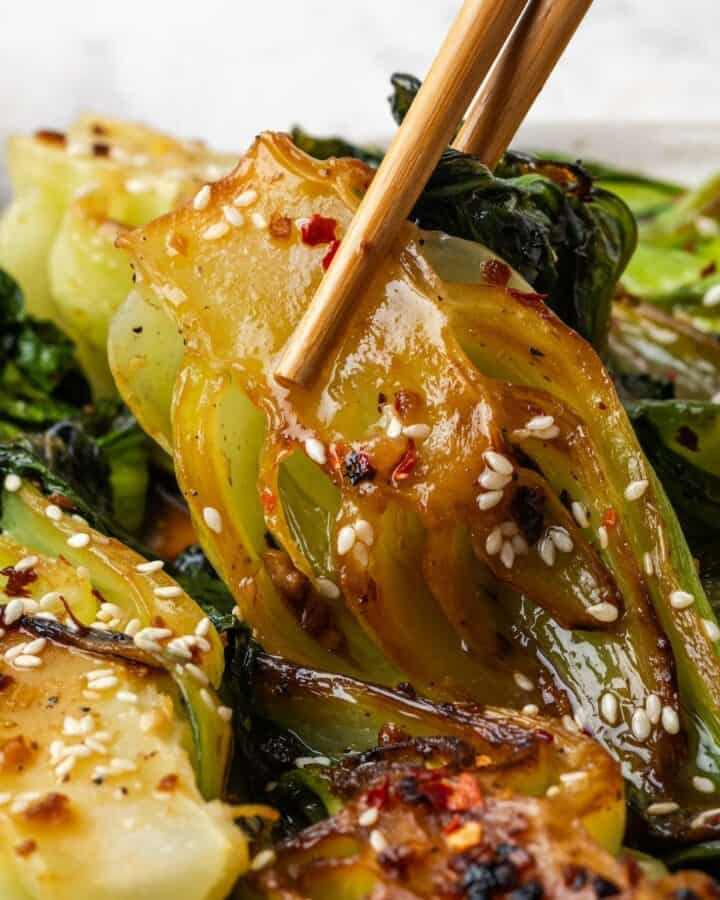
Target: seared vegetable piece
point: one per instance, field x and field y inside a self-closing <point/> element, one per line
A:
<point x="100" y="737"/>
<point x="74" y="193"/>
<point x="117" y="594"/>
<point x="459" y="501"/>
<point x="425" y="820"/>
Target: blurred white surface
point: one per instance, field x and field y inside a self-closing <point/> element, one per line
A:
<point x="224" y="69"/>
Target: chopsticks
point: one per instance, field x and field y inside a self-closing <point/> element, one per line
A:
<point x="465" y="58"/>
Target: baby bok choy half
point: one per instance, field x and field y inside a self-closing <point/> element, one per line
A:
<point x="458" y="502"/>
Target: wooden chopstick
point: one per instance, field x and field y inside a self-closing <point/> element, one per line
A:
<point x="518" y="76"/>
<point x="466" y="56"/>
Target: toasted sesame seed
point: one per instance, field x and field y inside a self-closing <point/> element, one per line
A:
<point x="13" y="610"/>
<point x="202" y="198"/>
<point x="98" y="673"/>
<point x="670" y="720"/>
<point x="154" y="634"/>
<point x="121" y="766"/>
<point x="640" y="725"/>
<point x="417" y="432"/>
<point x="203" y="627"/>
<point x="560" y="537"/>
<point x="636" y="489"/>
<point x="78" y="540"/>
<point x="12" y="483"/>
<point x="53" y="511"/>
<point x="233" y="216"/>
<point x="345" y="539"/>
<point x="378" y="841"/>
<point x="653" y="708"/>
<point x="104" y="684"/>
<point x="225" y="713"/>
<point x="65" y="767"/>
<point x="246" y="198"/>
<point x="48" y="616"/>
<point x="603" y="537"/>
<point x="580" y="513"/>
<point x="197" y="673"/>
<point x="703" y="784"/>
<point x="327" y="588"/>
<point x="603" y="612"/>
<point x="572" y="777"/>
<point x="258" y="220"/>
<point x="498" y="462"/>
<point x="111" y="609"/>
<point x="262" y="859"/>
<point x="394" y="428"/>
<point x="81" y="520"/>
<point x="132" y="627"/>
<point x="315" y="449"/>
<point x="179" y="649"/>
<point x="552" y="791"/>
<point x="546" y="551"/>
<point x="368" y="817"/>
<point x="509" y="528"/>
<point x="147" y="568"/>
<point x="170" y="590"/>
<point x="711" y="297"/>
<point x="494" y="542"/>
<point x="648" y="563"/>
<point x="36" y="646"/>
<point x="24" y="661"/>
<point x="489" y="500"/>
<point x="681" y="599"/>
<point x="17" y="650"/>
<point x="96" y="746"/>
<point x="206" y="698"/>
<point x="30" y="606"/>
<point x="215" y="231"/>
<point x="361" y="555"/>
<point x="711" y="629"/>
<point x="523" y="682"/>
<point x="663" y="808"/>
<point x="364" y="532"/>
<point x="27" y="562"/>
<point x="569" y="724"/>
<point x="609" y="708"/>
<point x="493" y="481"/>
<point x="540" y="423"/>
<point x="51" y="600"/>
<point x="530" y="709"/>
<point x="127" y="697"/>
<point x="519" y="545"/>
<point x="507" y="555"/>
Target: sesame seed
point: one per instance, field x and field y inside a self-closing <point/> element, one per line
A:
<point x="711" y="629"/>
<point x="10" y="654"/>
<point x="394" y="428"/>
<point x="258" y="220"/>
<point x="262" y="859"/>
<point x="498" y="462"/>
<point x="364" y="532"/>
<point x="507" y="555"/>
<point x="580" y="513"/>
<point x="120" y="766"/>
<point x="530" y="709"/>
<point x="569" y="724"/>
<point x="65" y="767"/>
<point x="24" y="661"/>
<point x="30" y="606"/>
<point x="546" y="551"/>
<point x="540" y="423"/>
<point x="494" y="542"/>
<point x="603" y="612"/>
<point x="51" y="600"/>
<point x="315" y="449"/>
<point x="704" y="785"/>
<point x="648" y="563"/>
<point x="327" y="588"/>
<point x="79" y="519"/>
<point x="636" y="489"/>
<point x="212" y="519"/>
<point x="552" y="791"/>
<point x="711" y="296"/>
<point x="572" y="777"/>
<point x="640" y="725"/>
<point x="603" y="537"/>
<point x="203" y="627"/>
<point x="417" y="432"/>
<point x="233" y="216"/>
<point x="197" y="673"/>
<point x="179" y="649"/>
<point x="609" y="708"/>
<point x="489" y="500"/>
<point x="12" y="483"/>
<point x="653" y="708"/>
<point x="27" y="562"/>
<point x="171" y="590"/>
<point x="206" y="698"/>
<point x="104" y="684"/>
<point x="14" y="610"/>
<point x="681" y="599"/>
<point x="96" y="746"/>
<point x="78" y="540"/>
<point x="215" y="231"/>
<point x="493" y="481"/>
<point x="361" y="555"/>
<point x="154" y="634"/>
<point x="36" y="646"/>
<point x="302" y="761"/>
<point x="112" y="610"/>
<point x="53" y="511"/>
<point x="202" y="198"/>
<point x="670" y="720"/>
<point x="98" y="673"/>
<point x="523" y="682"/>
<point x="378" y="841"/>
<point x="126" y="697"/>
<point x="345" y="539"/>
<point x="225" y="713"/>
<point x="560" y="537"/>
<point x="78" y="727"/>
<point x="147" y="568"/>
<point x="246" y="198"/>
<point x="132" y="627"/>
<point x="48" y="616"/>
<point x="662" y="809"/>
<point x="368" y="817"/>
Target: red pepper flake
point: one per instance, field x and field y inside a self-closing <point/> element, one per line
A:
<point x="610" y="518"/>
<point x="407" y="463"/>
<point x="466" y="793"/>
<point x="268" y="500"/>
<point x="452" y="825"/>
<point x="377" y="796"/>
<point x="330" y="255"/>
<point x="438" y="793"/>
<point x="319" y="230"/>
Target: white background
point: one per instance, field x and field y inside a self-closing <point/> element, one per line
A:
<point x="224" y="70"/>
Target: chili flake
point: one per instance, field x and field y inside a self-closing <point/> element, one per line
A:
<point x="610" y="518"/>
<point x="319" y="230"/>
<point x="330" y="255"/>
<point x="407" y="463"/>
<point x="268" y="500"/>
